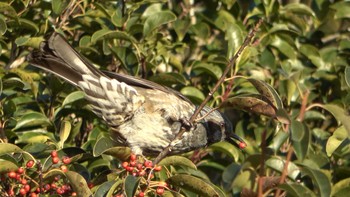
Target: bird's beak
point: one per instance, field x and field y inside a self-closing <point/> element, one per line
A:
<point x="236" y="140"/>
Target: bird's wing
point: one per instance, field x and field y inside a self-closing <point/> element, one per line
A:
<point x="143" y="83"/>
<point x="113" y="100"/>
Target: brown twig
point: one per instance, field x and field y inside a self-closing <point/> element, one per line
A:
<point x="262" y="164"/>
<point x="230" y="65"/>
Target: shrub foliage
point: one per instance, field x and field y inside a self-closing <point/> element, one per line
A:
<point x="288" y="96"/>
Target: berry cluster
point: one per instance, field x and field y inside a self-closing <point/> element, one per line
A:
<point x="25" y="180"/>
<point x="144" y="170"/>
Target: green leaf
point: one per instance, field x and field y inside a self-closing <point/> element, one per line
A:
<point x="202" y="30"/>
<point x="210" y="69"/>
<point x="58" y="6"/>
<point x="156" y="20"/>
<point x="193" y="93"/>
<point x="3" y="26"/>
<point x="181" y="27"/>
<point x="267" y="91"/>
<point x="9" y="148"/>
<point x="8" y="10"/>
<point x="296" y="190"/>
<point x="73" y="97"/>
<point x="32" y="119"/>
<point x="7" y="166"/>
<point x="229" y="3"/>
<point x="168" y="79"/>
<point x="177" y="161"/>
<point x="341" y="188"/>
<point x="284" y="47"/>
<point x="234" y="36"/>
<point x="339" y="135"/>
<point x="102" y="145"/>
<point x="301" y="138"/>
<point x="340" y="114"/>
<point x="193" y="184"/>
<point x="342" y="9"/>
<point x="320" y="180"/>
<point x="105" y="145"/>
<point x="79" y="184"/>
<point x="104" y="188"/>
<point x="111" y="34"/>
<point x="347" y="75"/>
<point x="278" y="164"/>
<point x="65" y="130"/>
<point x="299" y="8"/>
<point x="130" y="185"/>
<point x="227" y="148"/>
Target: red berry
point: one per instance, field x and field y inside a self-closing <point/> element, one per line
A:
<point x="242" y="145"/>
<point x="57" y="178"/>
<point x="133" y="163"/>
<point x="139" y="166"/>
<point x="125" y="164"/>
<point x="66" y="160"/>
<point x="10" y="192"/>
<point x="54" y="153"/>
<point x="12" y="175"/>
<point x="33" y="194"/>
<point x="141" y="194"/>
<point x="60" y="191"/>
<point x="133" y="157"/>
<point x="27" y="188"/>
<point x="30" y="164"/>
<point x="64" y="168"/>
<point x="24" y="181"/>
<point x="148" y="164"/>
<point x="129" y="168"/>
<point x="157" y="168"/>
<point x="160" y="190"/>
<point x="53" y="185"/>
<point x="73" y="194"/>
<point x="47" y="187"/>
<point x="90" y="185"/>
<point x="18" y="177"/>
<point x="20" y="170"/>
<point x="142" y="173"/>
<point x="22" y="191"/>
<point x="55" y="160"/>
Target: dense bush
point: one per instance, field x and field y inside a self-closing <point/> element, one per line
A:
<point x="288" y="96"/>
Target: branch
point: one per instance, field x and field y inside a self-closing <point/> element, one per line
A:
<point x="229" y="66"/>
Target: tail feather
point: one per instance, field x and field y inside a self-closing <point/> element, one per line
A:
<point x="58" y="57"/>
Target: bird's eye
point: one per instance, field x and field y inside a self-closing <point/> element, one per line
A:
<point x="222" y="125"/>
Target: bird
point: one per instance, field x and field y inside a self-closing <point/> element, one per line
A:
<point x="141" y="114"/>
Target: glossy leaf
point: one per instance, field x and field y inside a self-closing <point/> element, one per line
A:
<point x="296" y="190"/>
<point x="267" y="91"/>
<point x="73" y="97"/>
<point x="32" y="119"/>
<point x="130" y="185"/>
<point x="65" y="130"/>
<point x="278" y="164"/>
<point x="320" y="180"/>
<point x="177" y="161"/>
<point x="340" y="114"/>
<point x="157" y="19"/>
<point x="193" y="184"/>
<point x="78" y="183"/>
<point x="301" y="139"/>
<point x="335" y="140"/>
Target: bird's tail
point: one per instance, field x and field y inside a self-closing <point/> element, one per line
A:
<point x="58" y="57"/>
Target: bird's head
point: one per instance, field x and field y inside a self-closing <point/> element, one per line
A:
<point x="220" y="128"/>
